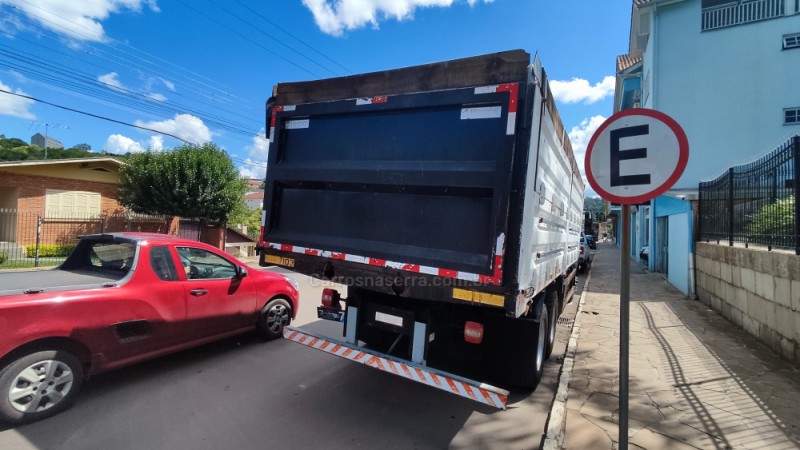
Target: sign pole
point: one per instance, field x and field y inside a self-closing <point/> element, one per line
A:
<point x="636" y="155"/>
<point x="624" y="325"/>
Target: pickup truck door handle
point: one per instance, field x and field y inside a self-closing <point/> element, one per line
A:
<point x="198" y="292"/>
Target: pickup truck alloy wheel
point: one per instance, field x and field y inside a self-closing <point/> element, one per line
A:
<point x="274" y="317"/>
<point x="39" y="385"/>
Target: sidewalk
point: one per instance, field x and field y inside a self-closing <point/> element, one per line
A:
<point x="696" y="380"/>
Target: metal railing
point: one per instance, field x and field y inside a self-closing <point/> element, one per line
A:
<point x="740" y="12"/>
<point x="755" y="203"/>
<point x="33" y="239"/>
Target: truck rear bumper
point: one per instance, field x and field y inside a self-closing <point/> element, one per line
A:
<point x="463" y="387"/>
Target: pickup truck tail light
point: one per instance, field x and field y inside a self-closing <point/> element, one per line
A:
<point x="330" y="298"/>
<point x="473" y="332"/>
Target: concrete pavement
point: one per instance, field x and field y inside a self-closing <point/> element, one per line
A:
<point x="696" y="380"/>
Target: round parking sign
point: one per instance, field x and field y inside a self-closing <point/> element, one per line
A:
<point x="636" y="155"/>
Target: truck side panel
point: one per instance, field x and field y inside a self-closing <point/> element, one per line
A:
<point x="550" y="227"/>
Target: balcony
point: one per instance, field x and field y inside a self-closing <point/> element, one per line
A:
<point x="737" y="13"/>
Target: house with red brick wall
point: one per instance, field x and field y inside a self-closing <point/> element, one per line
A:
<point x="63" y="198"/>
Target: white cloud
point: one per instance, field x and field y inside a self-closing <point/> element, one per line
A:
<point x="12" y="105"/>
<point x="254" y="166"/>
<point x="169" y="84"/>
<point x="344" y="15"/>
<point x="111" y="80"/>
<point x="157" y="97"/>
<point x="184" y="126"/>
<point x="579" y="90"/>
<point x="119" y="144"/>
<point x="78" y="20"/>
<point x="157" y="143"/>
<point x="252" y="172"/>
<point x="579" y="137"/>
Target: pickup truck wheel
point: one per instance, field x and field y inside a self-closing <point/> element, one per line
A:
<point x="274" y="316"/>
<point x="39" y="385"/>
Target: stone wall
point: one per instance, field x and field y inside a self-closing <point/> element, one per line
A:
<point x="757" y="290"/>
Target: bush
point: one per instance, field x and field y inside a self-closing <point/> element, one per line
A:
<point x="3" y="257"/>
<point x="49" y="250"/>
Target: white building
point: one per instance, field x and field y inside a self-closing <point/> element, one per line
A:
<point x="726" y="71"/>
<point x="45" y="141"/>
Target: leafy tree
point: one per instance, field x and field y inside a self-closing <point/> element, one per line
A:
<point x="773" y="220"/>
<point x="188" y="181"/>
<point x="245" y="215"/>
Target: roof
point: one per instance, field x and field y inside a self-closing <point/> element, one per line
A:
<point x="65" y="161"/>
<point x="258" y="195"/>
<point x="233" y="236"/>
<point x="625" y="62"/>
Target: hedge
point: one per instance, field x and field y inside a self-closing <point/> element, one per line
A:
<point x="49" y="250"/>
<point x="3" y="257"/>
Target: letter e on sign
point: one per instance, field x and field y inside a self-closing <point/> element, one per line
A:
<point x="636" y="155"/>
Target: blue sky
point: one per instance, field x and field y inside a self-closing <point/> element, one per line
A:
<point x="202" y="70"/>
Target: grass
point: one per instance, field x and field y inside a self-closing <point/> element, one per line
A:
<point x="29" y="263"/>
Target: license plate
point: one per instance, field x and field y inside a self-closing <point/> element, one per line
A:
<point x="336" y="315"/>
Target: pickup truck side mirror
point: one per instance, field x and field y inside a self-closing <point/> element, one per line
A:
<point x="241" y="272"/>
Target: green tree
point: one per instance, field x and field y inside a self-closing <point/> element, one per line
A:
<point x="247" y="216"/>
<point x="188" y="181"/>
<point x="773" y="220"/>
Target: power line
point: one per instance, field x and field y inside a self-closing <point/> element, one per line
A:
<point x="96" y="116"/>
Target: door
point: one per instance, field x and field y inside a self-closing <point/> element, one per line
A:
<point x="662" y="231"/>
<point x="217" y="300"/>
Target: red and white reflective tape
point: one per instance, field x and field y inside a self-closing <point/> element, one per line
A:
<point x="371" y="101"/>
<point x="273" y="119"/>
<point x="473" y="390"/>
<point x="496" y="278"/>
<point x="513" y="96"/>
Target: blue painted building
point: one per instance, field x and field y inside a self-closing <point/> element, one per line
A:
<point x="726" y="71"/>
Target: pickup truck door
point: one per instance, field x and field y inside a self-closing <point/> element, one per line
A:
<point x="217" y="300"/>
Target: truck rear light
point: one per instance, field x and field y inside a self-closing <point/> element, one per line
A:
<point x="473" y="332"/>
<point x="330" y="298"/>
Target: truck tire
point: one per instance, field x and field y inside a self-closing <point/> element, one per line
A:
<point x="39" y="385"/>
<point x="551" y="300"/>
<point x="536" y="366"/>
<point x="276" y="315"/>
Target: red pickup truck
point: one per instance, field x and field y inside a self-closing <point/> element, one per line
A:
<point x="122" y="298"/>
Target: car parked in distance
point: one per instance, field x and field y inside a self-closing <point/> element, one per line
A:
<point x="585" y="256"/>
<point x="591" y="242"/>
<point x="119" y="299"/>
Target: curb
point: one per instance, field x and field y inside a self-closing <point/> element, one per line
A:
<point x="555" y="424"/>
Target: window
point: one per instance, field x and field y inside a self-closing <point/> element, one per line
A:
<point x="791" y="41"/>
<point x="161" y="262"/>
<point x="791" y="116"/>
<point x="71" y="204"/>
<point x="203" y="264"/>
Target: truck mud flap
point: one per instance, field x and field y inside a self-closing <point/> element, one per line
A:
<point x="453" y="384"/>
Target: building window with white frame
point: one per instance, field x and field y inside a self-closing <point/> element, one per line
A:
<point x="791" y="41"/>
<point x="791" y="116"/>
<point x="71" y="204"/>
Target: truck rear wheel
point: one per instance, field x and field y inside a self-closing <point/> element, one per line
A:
<point x="535" y="367"/>
<point x="551" y="301"/>
<point x="39" y="385"/>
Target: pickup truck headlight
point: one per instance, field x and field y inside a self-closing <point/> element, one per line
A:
<point x="293" y="282"/>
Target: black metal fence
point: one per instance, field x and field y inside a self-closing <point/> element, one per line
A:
<point x="755" y="203"/>
<point x="33" y="239"/>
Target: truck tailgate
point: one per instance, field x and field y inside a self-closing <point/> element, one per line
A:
<point x="419" y="179"/>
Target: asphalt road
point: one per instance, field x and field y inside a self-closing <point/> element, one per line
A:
<point x="242" y="393"/>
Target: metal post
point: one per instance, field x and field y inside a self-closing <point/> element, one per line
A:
<point x="624" y="323"/>
<point x="796" y="149"/>
<point x="38" y="240"/>
<point x="730" y="206"/>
